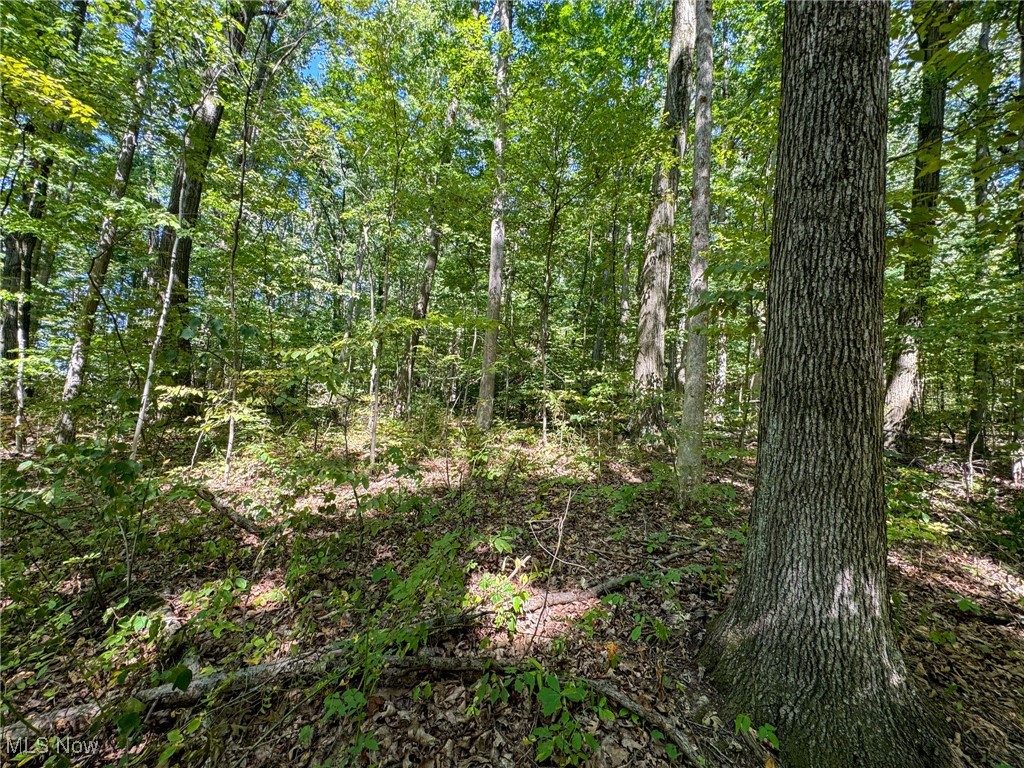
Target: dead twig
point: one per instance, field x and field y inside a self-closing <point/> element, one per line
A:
<point x="225" y="509"/>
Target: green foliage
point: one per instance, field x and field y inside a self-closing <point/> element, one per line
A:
<point x="765" y="733"/>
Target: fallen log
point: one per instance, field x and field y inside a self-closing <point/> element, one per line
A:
<point x="292" y="670"/>
<point x="224" y="508"/>
<point x="551" y="599"/>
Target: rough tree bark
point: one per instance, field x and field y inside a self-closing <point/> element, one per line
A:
<point x="79" y="358"/>
<point x="649" y="367"/>
<point x="691" y="421"/>
<point x="807" y="642"/>
<point x="904" y="384"/>
<point x="485" y="404"/>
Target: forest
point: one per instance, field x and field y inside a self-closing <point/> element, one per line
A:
<point x="512" y="382"/>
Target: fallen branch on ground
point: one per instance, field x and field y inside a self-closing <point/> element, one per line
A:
<point x="168" y="696"/>
<point x="225" y="509"/>
<point x="603" y="687"/>
<point x="600" y="590"/>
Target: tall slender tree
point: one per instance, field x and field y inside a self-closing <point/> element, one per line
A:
<point x="79" y="357"/>
<point x="407" y="367"/>
<point x="649" y="368"/>
<point x="932" y="21"/>
<point x="190" y="173"/>
<point x="485" y="404"/>
<point x="981" y="171"/>
<point x="1017" y="416"/>
<point x="807" y="642"/>
<point x="691" y="422"/>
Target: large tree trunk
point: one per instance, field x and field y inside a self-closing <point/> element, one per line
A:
<point x="190" y="177"/>
<point x="649" y="368"/>
<point x="807" y="643"/>
<point x="78" y="360"/>
<point x="485" y="404"/>
<point x="691" y="422"/>
<point x="904" y="384"/>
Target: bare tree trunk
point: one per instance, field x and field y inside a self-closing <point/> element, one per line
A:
<point x="981" y="171"/>
<point x="256" y="86"/>
<point x="79" y="358"/>
<point x="904" y="384"/>
<point x="626" y="290"/>
<point x="605" y="295"/>
<point x="752" y="378"/>
<point x="649" y="368"/>
<point x="545" y="312"/>
<point x="190" y="178"/>
<point x="807" y="642"/>
<point x="719" y="383"/>
<point x="19" y="382"/>
<point x="485" y="405"/>
<point x="1017" y="382"/>
<point x="158" y="338"/>
<point x="375" y="356"/>
<point x="691" y="422"/>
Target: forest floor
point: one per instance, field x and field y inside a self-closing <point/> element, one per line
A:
<point x="462" y="605"/>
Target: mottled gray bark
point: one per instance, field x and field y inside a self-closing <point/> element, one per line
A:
<point x="649" y="367"/>
<point x="691" y="421"/>
<point x="807" y="642"/>
<point x="485" y="404"/>
<point x="904" y="383"/>
<point x="79" y="358"/>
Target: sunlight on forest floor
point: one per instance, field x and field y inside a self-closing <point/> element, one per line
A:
<point x="465" y="548"/>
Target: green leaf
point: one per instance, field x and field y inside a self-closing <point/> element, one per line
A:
<point x="181" y="677"/>
<point x="550" y="701"/>
<point x="545" y="750"/>
<point x="743" y="723"/>
<point x="128" y="722"/>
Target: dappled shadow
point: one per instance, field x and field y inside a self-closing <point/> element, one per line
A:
<point x="440" y="551"/>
